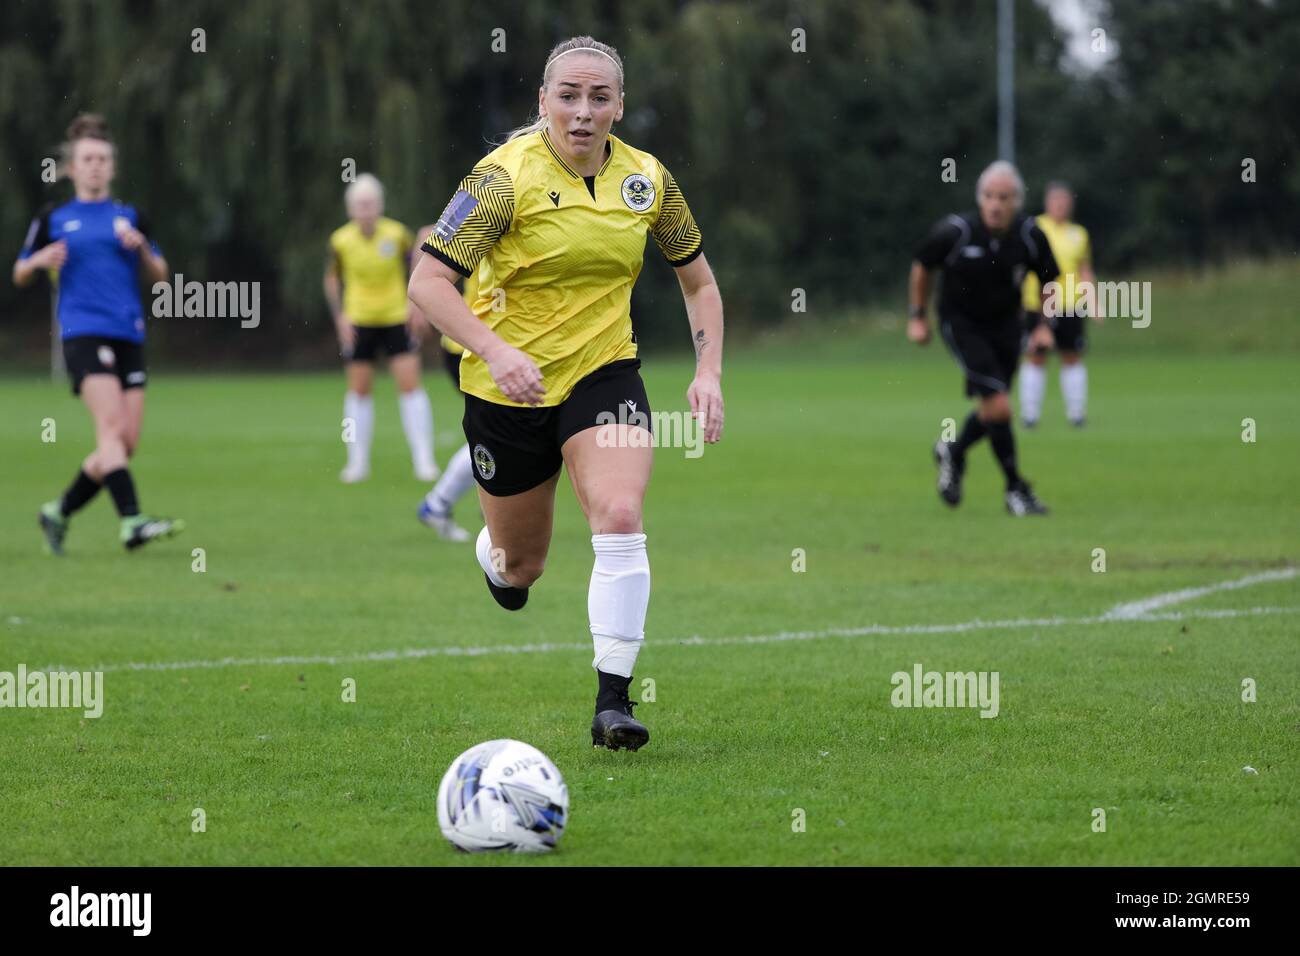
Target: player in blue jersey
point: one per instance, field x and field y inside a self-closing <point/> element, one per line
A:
<point x="97" y="249"/>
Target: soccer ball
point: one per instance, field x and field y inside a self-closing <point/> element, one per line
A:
<point x="503" y="795"/>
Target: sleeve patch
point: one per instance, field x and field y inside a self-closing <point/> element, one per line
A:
<point x="454" y="216"/>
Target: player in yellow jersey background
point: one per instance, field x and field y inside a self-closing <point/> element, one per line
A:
<point x="1072" y="249"/>
<point x="555" y="221"/>
<point x="369" y="258"/>
<point x="435" y="508"/>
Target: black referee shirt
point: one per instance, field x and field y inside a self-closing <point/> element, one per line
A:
<point x="982" y="272"/>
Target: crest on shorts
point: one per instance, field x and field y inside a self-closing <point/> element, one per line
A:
<point x="106" y="356"/>
<point x="484" y="462"/>
<point x="638" y="192"/>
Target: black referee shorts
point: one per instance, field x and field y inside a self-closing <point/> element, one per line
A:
<point x="393" y="339"/>
<point x="517" y="449"/>
<point x="989" y="353"/>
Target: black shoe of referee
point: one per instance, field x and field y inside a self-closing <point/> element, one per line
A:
<point x="1022" y="501"/>
<point x="614" y="726"/>
<point x="512" y="599"/>
<point x="951" y="470"/>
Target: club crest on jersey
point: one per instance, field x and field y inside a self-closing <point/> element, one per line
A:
<point x="106" y="356"/>
<point x="638" y="192"/>
<point x="387" y="249"/>
<point x="484" y="462"/>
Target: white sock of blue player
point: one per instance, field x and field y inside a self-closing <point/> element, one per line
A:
<point x="1033" y="383"/>
<point x="1074" y="388"/>
<point x="455" y="481"/>
<point x="617" y="601"/>
<point x="483" y="551"/>
<point x="417" y="422"/>
<point x="360" y="410"/>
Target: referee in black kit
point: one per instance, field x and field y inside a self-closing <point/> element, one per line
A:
<point x="984" y="256"/>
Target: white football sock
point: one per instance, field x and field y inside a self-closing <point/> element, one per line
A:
<point x="617" y="601"/>
<point x="361" y="409"/>
<point x="1074" y="387"/>
<point x="483" y="551"/>
<point x="1033" y="383"/>
<point x="455" y="481"/>
<point x="417" y="421"/>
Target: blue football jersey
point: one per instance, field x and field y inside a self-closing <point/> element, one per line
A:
<point x="99" y="284"/>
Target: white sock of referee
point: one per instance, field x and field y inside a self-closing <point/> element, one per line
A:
<point x="1074" y="388"/>
<point x="417" y="422"/>
<point x="361" y="409"/>
<point x="455" y="481"/>
<point x="1033" y="383"/>
<point x="617" y="601"/>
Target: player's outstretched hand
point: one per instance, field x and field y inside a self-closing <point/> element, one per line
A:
<point x="918" y="331"/>
<point x="705" y="396"/>
<point x="518" y="376"/>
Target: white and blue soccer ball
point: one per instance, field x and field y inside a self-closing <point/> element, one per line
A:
<point x="503" y="795"/>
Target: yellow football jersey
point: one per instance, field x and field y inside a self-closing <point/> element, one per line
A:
<point x="374" y="271"/>
<point x="554" y="264"/>
<point x="1070" y="248"/>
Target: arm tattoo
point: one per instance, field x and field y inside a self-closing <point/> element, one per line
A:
<point x="701" y="343"/>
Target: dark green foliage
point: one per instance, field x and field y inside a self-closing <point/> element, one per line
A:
<point x="816" y="170"/>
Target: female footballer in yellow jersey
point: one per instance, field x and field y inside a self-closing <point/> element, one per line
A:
<point x="369" y="256"/>
<point x="458" y="477"/>
<point x="555" y="223"/>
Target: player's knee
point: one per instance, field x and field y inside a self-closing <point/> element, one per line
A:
<point x="524" y="572"/>
<point x="621" y="515"/>
<point x="996" y="408"/>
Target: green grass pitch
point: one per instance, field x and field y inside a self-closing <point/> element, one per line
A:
<point x="772" y="689"/>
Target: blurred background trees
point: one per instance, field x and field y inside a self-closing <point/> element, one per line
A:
<point x="818" y="170"/>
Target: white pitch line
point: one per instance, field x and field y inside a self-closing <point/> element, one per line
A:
<point x="1136" y="609"/>
<point x="417" y="653"/>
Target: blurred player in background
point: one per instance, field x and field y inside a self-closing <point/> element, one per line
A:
<point x="1072" y="250"/>
<point x="458" y="478"/>
<point x="983" y="256"/>
<point x="369" y="257"/>
<point x="100" y="249"/>
<point x="557" y="219"/>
